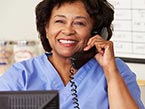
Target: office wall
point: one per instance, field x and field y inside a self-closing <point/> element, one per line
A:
<point x="17" y="20"/>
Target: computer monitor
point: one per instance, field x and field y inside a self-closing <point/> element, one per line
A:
<point x="29" y="99"/>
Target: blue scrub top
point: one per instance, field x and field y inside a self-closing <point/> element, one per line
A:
<point x="39" y="74"/>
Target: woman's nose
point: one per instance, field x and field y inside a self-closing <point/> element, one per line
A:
<point x="68" y="30"/>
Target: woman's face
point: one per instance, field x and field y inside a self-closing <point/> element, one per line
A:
<point x="69" y="29"/>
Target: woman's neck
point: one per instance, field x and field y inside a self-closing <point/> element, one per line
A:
<point x="63" y="66"/>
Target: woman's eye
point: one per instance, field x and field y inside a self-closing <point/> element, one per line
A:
<point x="80" y="23"/>
<point x="59" y="21"/>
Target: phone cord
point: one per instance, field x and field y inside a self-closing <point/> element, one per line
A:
<point x="74" y="89"/>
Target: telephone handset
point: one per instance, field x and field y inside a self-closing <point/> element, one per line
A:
<point x="80" y="58"/>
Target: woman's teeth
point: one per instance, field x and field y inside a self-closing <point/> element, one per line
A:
<point x="67" y="41"/>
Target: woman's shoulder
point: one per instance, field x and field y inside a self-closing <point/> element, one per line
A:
<point x="26" y="66"/>
<point x="124" y="69"/>
<point x="18" y="74"/>
<point x="30" y="62"/>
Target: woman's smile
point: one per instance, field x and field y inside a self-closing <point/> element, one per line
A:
<point x="67" y="42"/>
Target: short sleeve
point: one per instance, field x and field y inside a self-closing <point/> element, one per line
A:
<point x="130" y="80"/>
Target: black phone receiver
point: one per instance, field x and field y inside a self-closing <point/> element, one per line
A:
<point x="103" y="33"/>
<point x="82" y="57"/>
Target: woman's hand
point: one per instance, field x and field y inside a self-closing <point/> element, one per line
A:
<point x="105" y="55"/>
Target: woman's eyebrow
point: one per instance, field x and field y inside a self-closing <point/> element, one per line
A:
<point x="81" y="17"/>
<point x="60" y="16"/>
<point x="76" y="17"/>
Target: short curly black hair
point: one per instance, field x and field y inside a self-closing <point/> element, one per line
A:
<point x="100" y="11"/>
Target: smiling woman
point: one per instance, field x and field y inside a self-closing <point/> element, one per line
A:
<point x="68" y="30"/>
<point x="65" y="28"/>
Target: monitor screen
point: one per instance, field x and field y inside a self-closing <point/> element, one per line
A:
<point x="29" y="99"/>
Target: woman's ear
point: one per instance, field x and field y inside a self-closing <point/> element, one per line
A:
<point x="47" y="29"/>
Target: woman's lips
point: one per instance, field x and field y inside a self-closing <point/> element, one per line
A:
<point x="66" y="42"/>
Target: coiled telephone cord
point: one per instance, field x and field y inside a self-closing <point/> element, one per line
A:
<point x="74" y="89"/>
